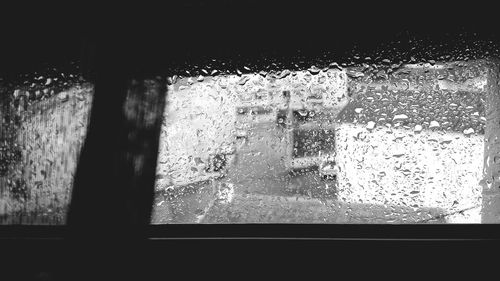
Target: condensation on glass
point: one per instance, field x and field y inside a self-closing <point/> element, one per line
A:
<point x="411" y="143"/>
<point x="380" y="143"/>
<point x="42" y="131"/>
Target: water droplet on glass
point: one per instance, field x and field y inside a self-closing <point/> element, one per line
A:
<point x="63" y="96"/>
<point x="303" y="113"/>
<point x="399" y="117"/>
<point x="418" y="128"/>
<point x="446" y="141"/>
<point x="398" y="154"/>
<point x="355" y="74"/>
<point x="370" y="125"/>
<point x="496" y="159"/>
<point x="468" y="131"/>
<point x="314" y="70"/>
<point x="200" y="78"/>
<point x="358" y="110"/>
<point x="243" y="80"/>
<point x="223" y="83"/>
<point x="16" y="94"/>
<point x="335" y="66"/>
<point x="284" y="73"/>
<point x="434" y="124"/>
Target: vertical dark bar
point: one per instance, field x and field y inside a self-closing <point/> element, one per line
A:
<point x="96" y="198"/>
<point x="113" y="187"/>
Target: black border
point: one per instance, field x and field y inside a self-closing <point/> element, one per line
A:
<point x="410" y="232"/>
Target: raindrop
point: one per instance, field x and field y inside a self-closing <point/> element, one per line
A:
<point x="284" y="74"/>
<point x="355" y="74"/>
<point x="370" y="125"/>
<point x="314" y="70"/>
<point x="399" y="117"/>
<point x="63" y="96"/>
<point x="434" y="124"/>
<point x="223" y="84"/>
<point x="418" y="128"/>
<point x="475" y="114"/>
<point x="398" y="154"/>
<point x="358" y="110"/>
<point x="335" y="65"/>
<point x="198" y="160"/>
<point x="16" y="94"/>
<point x="447" y="141"/>
<point x="243" y="80"/>
<point x="80" y="97"/>
<point x="303" y="113"/>
<point x="496" y="159"/>
<point x="468" y="131"/>
<point x="201" y="78"/>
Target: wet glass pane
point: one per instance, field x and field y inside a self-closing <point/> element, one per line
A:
<point x="43" y="126"/>
<point x="373" y="143"/>
<point x="377" y="142"/>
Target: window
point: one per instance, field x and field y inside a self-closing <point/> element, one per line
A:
<point x="368" y="138"/>
<point x="222" y="120"/>
<point x="44" y="123"/>
<point x="410" y="150"/>
<point x="343" y="146"/>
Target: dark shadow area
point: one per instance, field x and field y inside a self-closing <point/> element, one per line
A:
<point x="118" y="159"/>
